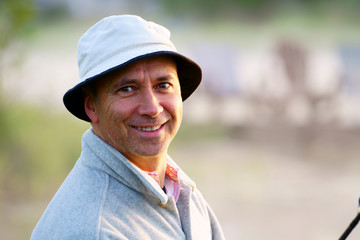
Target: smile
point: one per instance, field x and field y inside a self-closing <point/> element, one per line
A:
<point x="149" y="129"/>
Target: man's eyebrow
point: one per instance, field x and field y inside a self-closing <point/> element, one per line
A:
<point x="128" y="81"/>
<point x="166" y="77"/>
<point x="123" y="81"/>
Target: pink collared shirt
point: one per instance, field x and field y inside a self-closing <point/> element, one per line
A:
<point x="172" y="184"/>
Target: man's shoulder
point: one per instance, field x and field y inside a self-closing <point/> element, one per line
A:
<point x="82" y="185"/>
<point x="74" y="211"/>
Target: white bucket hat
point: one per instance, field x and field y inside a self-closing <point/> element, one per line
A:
<point x="117" y="41"/>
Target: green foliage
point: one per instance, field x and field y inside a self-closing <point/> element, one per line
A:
<point x="216" y="9"/>
<point x="213" y="10"/>
<point x="15" y="16"/>
<point x="37" y="150"/>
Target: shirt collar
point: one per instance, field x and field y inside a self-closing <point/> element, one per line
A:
<point x="170" y="172"/>
<point x="172" y="184"/>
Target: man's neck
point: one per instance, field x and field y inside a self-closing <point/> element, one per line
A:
<point x="152" y="164"/>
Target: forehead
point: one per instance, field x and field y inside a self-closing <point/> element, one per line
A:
<point x="161" y="65"/>
<point x="158" y="64"/>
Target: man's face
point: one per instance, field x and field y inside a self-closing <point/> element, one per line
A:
<point x="138" y="109"/>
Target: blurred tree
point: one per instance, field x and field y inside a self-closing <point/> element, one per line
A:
<point x="259" y="9"/>
<point x="15" y="16"/>
<point x="219" y="9"/>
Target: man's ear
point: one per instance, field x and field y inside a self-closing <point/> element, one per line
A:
<point x="90" y="108"/>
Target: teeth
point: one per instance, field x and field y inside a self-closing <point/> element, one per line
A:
<point x="148" y="129"/>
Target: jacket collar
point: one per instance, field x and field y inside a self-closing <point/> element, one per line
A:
<point x="97" y="154"/>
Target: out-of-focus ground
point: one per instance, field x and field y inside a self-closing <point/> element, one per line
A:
<point x="265" y="186"/>
<point x="272" y="136"/>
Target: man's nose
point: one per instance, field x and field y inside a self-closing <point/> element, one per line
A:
<point x="149" y="105"/>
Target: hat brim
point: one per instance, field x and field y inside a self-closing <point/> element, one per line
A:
<point x="189" y="74"/>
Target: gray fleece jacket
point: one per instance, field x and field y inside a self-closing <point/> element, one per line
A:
<point x="107" y="197"/>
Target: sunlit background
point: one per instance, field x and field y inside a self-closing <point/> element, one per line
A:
<point x="272" y="136"/>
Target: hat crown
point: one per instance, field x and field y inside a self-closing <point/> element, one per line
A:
<point x="116" y="35"/>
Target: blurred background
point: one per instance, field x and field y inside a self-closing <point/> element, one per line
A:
<point x="271" y="137"/>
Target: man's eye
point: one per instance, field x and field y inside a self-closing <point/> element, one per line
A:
<point x="126" y="89"/>
<point x="164" y="85"/>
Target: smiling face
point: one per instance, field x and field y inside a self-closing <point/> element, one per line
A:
<point x="138" y="109"/>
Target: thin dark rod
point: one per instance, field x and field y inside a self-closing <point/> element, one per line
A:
<point x="351" y="227"/>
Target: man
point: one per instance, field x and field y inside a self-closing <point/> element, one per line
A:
<point x="124" y="185"/>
